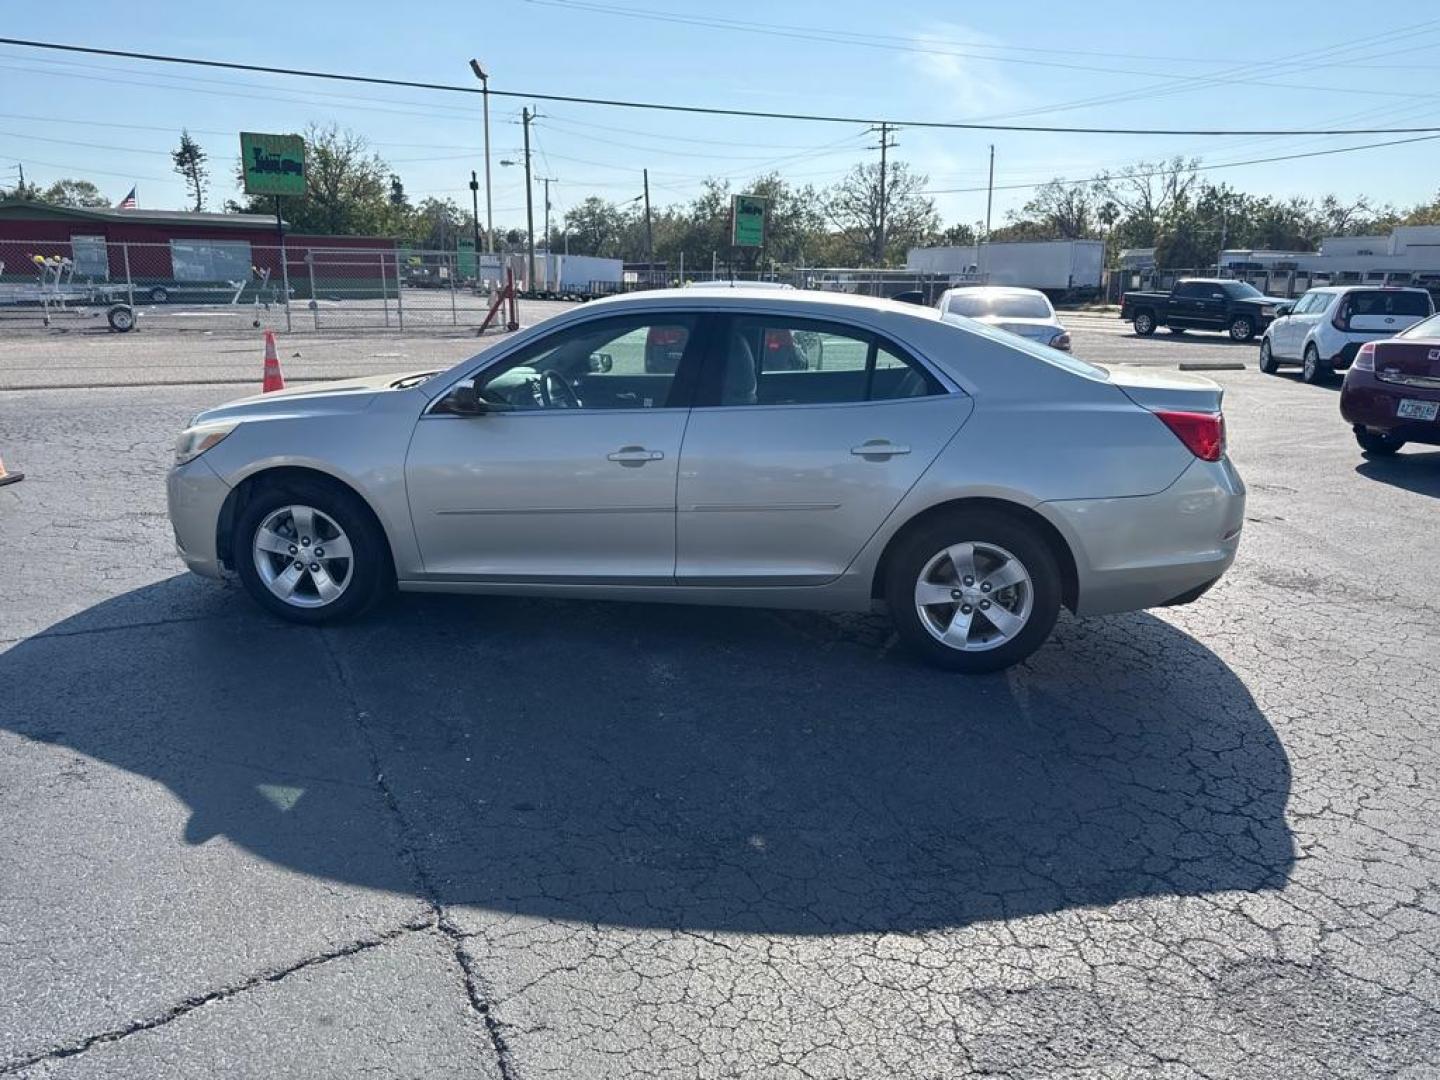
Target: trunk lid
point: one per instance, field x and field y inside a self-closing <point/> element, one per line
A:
<point x="1409" y="362"/>
<point x="1168" y="390"/>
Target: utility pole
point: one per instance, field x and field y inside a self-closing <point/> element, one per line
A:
<point x="547" y="181"/>
<point x="885" y="129"/>
<point x="484" y="78"/>
<point x="475" y="220"/>
<point x="525" y="117"/>
<point x="990" y="193"/>
<point x="649" y="234"/>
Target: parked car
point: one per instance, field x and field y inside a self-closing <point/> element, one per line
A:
<point x="1324" y="329"/>
<point x="1026" y="312"/>
<point x="1228" y="307"/>
<point x="1391" y="394"/>
<point x="967" y="480"/>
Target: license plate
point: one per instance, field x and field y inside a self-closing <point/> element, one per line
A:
<point x="1410" y="409"/>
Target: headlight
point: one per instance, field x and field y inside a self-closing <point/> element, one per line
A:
<point x="194" y="441"/>
<point x="1267" y="311"/>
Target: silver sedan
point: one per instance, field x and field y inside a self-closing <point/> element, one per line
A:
<point x="1027" y="312"/>
<point x="768" y="448"/>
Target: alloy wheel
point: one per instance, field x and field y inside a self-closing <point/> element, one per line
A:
<point x="303" y="556"/>
<point x="974" y="596"/>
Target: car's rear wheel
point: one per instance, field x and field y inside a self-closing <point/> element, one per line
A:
<point x="1314" y="370"/>
<point x="974" y="592"/>
<point x="1378" y="443"/>
<point x="310" y="552"/>
<point x="1242" y="328"/>
<point x="1144" y="323"/>
<point x="1268" y="364"/>
<point x="159" y="294"/>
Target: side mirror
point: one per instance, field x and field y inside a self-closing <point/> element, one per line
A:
<point x="601" y="362"/>
<point x="465" y="400"/>
<point x="1284" y="309"/>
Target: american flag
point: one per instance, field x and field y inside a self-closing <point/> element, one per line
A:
<point x="128" y="202"/>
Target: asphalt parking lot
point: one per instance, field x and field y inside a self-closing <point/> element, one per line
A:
<point x="517" y="839"/>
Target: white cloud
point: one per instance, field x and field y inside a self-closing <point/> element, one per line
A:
<point x="973" y="84"/>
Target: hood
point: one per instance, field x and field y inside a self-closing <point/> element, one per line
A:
<point x="1262" y="301"/>
<point x="1155" y="389"/>
<point x="309" y="399"/>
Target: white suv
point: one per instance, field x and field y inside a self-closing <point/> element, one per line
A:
<point x="1324" y="329"/>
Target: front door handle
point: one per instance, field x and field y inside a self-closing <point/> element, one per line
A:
<point x="879" y="448"/>
<point x="635" y="455"/>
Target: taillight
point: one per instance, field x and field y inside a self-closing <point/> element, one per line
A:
<point x="1202" y="433"/>
<point x="1061" y="341"/>
<point x="1365" y="358"/>
<point x="1341" y="319"/>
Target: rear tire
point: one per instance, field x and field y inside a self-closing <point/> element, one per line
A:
<point x="1378" y="444"/>
<point x="995" y="542"/>
<point x="1314" y="370"/>
<point x="159" y="294"/>
<point x="1242" y="329"/>
<point x="1268" y="364"/>
<point x="362" y="578"/>
<point x="1144" y="323"/>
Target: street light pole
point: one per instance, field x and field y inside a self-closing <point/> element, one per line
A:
<point x="484" y="78"/>
<point x="525" y="118"/>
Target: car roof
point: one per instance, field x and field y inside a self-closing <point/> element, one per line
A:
<point x="742" y="296"/>
<point x="1367" y="288"/>
<point x="1013" y="290"/>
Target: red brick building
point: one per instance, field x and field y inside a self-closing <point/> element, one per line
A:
<point x="174" y="250"/>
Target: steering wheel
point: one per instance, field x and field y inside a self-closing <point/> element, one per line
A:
<point x="556" y="391"/>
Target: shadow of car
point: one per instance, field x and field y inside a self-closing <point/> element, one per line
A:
<point x="729" y="770"/>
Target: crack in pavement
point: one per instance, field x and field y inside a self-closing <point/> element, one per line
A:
<point x="475" y="988"/>
<point x="190" y="1004"/>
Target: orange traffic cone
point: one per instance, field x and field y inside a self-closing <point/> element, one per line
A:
<point x="273" y="379"/>
<point x="9" y="477"/>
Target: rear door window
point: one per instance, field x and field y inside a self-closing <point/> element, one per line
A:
<point x="1388" y="302"/>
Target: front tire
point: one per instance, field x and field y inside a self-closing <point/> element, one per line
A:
<point x="311" y="552"/>
<point x="974" y="592"/>
<point x="1242" y="329"/>
<point x="159" y="294"/>
<point x="1377" y="443"/>
<point x="1144" y="323"/>
<point x="1314" y="370"/>
<point x="1268" y="364"/>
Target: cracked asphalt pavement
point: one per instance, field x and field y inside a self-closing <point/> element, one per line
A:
<point x="509" y="838"/>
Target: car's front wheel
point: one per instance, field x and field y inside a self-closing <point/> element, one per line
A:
<point x="310" y="552"/>
<point x="1268" y="363"/>
<point x="974" y="592"/>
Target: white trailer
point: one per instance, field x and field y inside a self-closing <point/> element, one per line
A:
<point x="1054" y="266"/>
<point x="584" y="273"/>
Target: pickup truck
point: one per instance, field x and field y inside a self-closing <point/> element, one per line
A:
<point x="1229" y="307"/>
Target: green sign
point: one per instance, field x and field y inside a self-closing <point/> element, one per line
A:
<point x="465" y="258"/>
<point x="747" y="220"/>
<point x="272" y="164"/>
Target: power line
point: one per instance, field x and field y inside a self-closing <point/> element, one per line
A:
<point x="1197" y="168"/>
<point x="703" y="110"/>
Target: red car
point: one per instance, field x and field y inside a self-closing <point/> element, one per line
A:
<point x="1391" y="394"/>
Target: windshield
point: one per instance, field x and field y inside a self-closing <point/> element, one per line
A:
<point x="1424" y="329"/>
<point x="999" y="305"/>
<point x="1240" y="290"/>
<point x="1050" y="356"/>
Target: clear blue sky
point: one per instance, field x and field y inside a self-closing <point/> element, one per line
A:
<point x="1221" y="64"/>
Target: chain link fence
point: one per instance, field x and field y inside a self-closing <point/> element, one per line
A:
<point x="220" y="285"/>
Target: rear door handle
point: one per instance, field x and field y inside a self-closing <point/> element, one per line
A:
<point x="879" y="448"/>
<point x="635" y="455"/>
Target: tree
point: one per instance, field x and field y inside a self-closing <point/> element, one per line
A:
<point x="854" y="206"/>
<point x="189" y="161"/>
<point x="1060" y="210"/>
<point x="960" y="235"/>
<point x="347" y="191"/>
<point x="78" y="193"/>
<point x="398" y="198"/>
<point x="595" y="227"/>
<point x="1145" y="193"/>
